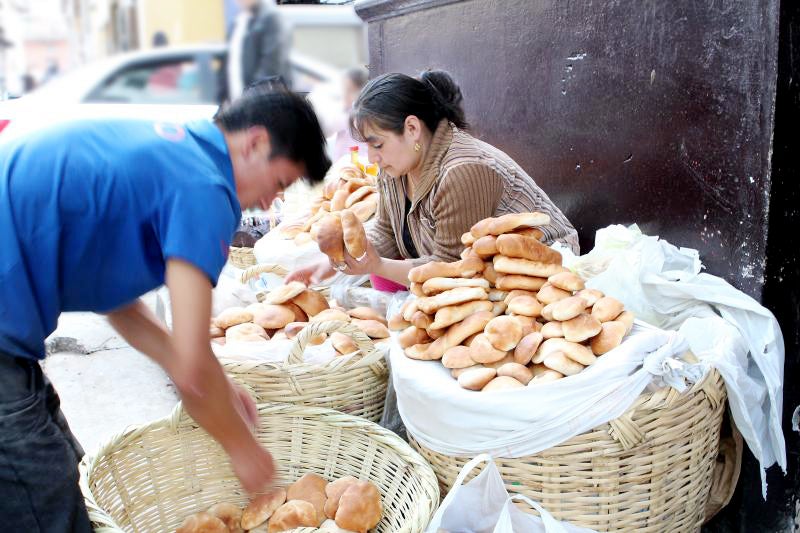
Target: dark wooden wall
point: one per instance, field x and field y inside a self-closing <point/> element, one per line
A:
<point x="649" y="111"/>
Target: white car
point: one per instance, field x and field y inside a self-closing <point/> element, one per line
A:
<point x="172" y="84"/>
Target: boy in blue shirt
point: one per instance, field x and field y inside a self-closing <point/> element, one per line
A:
<point x="93" y="214"/>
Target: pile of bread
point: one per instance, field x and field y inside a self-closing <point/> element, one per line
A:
<point x="508" y="314"/>
<point x="288" y="309"/>
<point x="351" y="191"/>
<point x="346" y="505"/>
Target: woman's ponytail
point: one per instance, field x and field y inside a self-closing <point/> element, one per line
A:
<point x="447" y="94"/>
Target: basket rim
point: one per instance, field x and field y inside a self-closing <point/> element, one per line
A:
<point x="384" y="437"/>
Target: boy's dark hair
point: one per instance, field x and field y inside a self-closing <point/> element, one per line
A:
<point x="293" y="127"/>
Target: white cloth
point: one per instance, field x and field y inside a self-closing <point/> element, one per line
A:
<point x="235" y="76"/>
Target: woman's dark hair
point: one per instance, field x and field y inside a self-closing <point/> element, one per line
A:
<point x="293" y="127"/>
<point x="387" y="100"/>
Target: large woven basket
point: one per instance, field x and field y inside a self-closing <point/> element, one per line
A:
<point x="649" y="470"/>
<point x="148" y="479"/>
<point x="354" y="384"/>
<point x="241" y="257"/>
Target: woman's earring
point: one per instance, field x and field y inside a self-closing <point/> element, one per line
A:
<point x="417" y="147"/>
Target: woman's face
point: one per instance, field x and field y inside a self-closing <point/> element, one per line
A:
<point x="393" y="153"/>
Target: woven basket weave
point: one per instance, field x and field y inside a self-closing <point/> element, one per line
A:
<point x="355" y="384"/>
<point x="148" y="479"/>
<point x="649" y="470"/>
<point x="241" y="257"/>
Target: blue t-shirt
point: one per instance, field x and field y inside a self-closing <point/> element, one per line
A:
<point x="90" y="211"/>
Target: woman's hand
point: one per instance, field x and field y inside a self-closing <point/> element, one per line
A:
<point x="369" y="264"/>
<point x="313" y="273"/>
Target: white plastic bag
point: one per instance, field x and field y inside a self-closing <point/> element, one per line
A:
<point x="484" y="506"/>
<point x="663" y="285"/>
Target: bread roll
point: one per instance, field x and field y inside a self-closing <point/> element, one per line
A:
<point x="412" y="335"/>
<point x="438" y="285"/>
<point x="482" y="351"/>
<point x="431" y="304"/>
<point x="232" y="316"/>
<point x="476" y="378"/>
<point x="561" y="363"/>
<point x="547" y="313"/>
<point x="466" y="268"/>
<point x="553" y="330"/>
<point x="330" y="315"/>
<point x="529" y="324"/>
<point x="262" y="507"/>
<point x="230" y="514"/>
<point x="481" y="228"/>
<point x="339" y="199"/>
<point x="525" y="267"/>
<point x="421" y="320"/>
<point x="455" y="334"/>
<point x="245" y="332"/>
<point x="534" y="233"/>
<point x="409" y="308"/>
<point x="467" y="239"/>
<point x="607" y="308"/>
<point x="525" y="305"/>
<point x="292" y="515"/>
<point x="330" y="237"/>
<point x="313" y="220"/>
<point x="457" y="357"/>
<point x="568" y="308"/>
<point x="355" y="238"/>
<point x="311" y="488"/>
<point x="416" y="290"/>
<point x="526" y="248"/>
<point x="293" y="329"/>
<point x="498" y="308"/>
<point x="373" y="328"/>
<point x="447" y="316"/>
<point x="496" y="295"/>
<point x="365" y="208"/>
<point x="519" y="292"/>
<point x="398" y="323"/>
<point x="349" y="172"/>
<point x="299" y="314"/>
<point x="510" y="282"/>
<point x="468" y="340"/>
<point x="284" y="293"/>
<point x="517" y="371"/>
<point x="525" y="349"/>
<point x="202" y="523"/>
<point x="273" y="316"/>
<point x="456" y="372"/>
<point x="359" y="195"/>
<point x="580" y="328"/>
<point x="573" y="350"/>
<point x="489" y="273"/>
<point x="549" y="294"/>
<point x="311" y="302"/>
<point x="503" y="332"/>
<point x="513" y="221"/>
<point x="590" y="296"/>
<point x="334" y="491"/>
<point x="485" y="246"/>
<point x="330" y="188"/>
<point x="360" y="507"/>
<point x="329" y="526"/>
<point x="214" y="332"/>
<point x="547" y="375"/>
<point x="342" y="343"/>
<point x="610" y="337"/>
<point x="567" y="281"/>
<point x="367" y="313"/>
<point x="509" y="358"/>
<point x="626" y="317"/>
<point x="501" y="383"/>
<point x="466" y="252"/>
<point x="318" y="339"/>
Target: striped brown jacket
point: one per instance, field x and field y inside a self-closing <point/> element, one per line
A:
<point x="463" y="180"/>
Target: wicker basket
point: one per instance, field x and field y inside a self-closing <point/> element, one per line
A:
<point x="355" y="385"/>
<point x="241" y="257"/>
<point x="268" y="268"/>
<point x="649" y="470"/>
<point x="148" y="479"/>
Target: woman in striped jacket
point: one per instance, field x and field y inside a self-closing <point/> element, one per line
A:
<point x="436" y="180"/>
